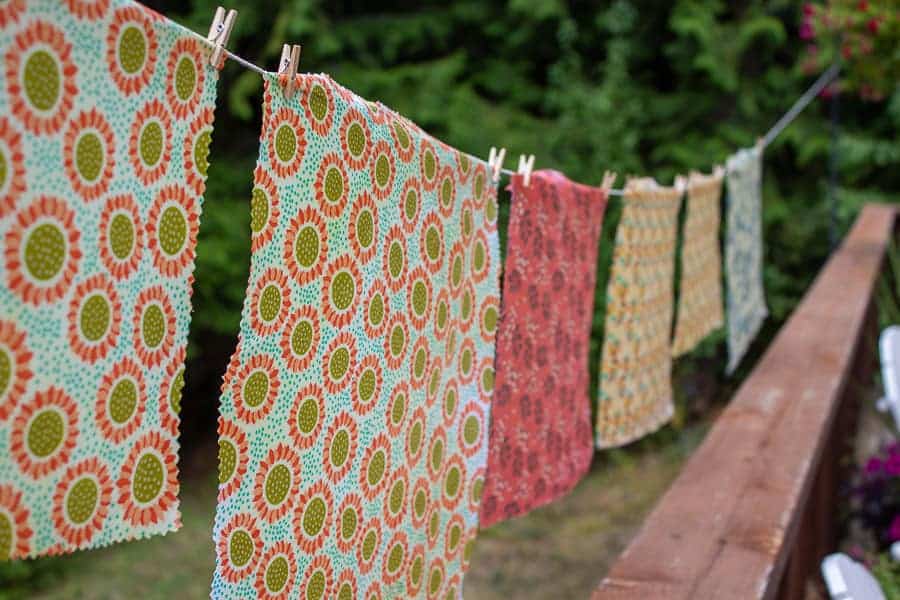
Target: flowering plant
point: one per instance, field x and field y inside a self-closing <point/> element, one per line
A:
<point x="876" y="495"/>
<point x="864" y="34"/>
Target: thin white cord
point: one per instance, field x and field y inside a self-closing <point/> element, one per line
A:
<point x="241" y="61"/>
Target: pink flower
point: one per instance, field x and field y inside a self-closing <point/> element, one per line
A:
<point x="892" y="465"/>
<point x="809" y="9"/>
<point x="846" y="51"/>
<point x="894" y="530"/>
<point x="806" y="31"/>
<point x="873" y="26"/>
<point x="874" y="465"/>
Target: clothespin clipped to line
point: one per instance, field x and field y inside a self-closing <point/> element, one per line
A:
<point x="609" y="180"/>
<point x="219" y="32"/>
<point x="287" y="68"/>
<point x="526" y="166"/>
<point x="495" y="162"/>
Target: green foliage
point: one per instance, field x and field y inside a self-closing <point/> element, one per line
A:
<point x="887" y="571"/>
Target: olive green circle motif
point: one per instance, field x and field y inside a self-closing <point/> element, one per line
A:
<point x="340" y="448"/>
<point x="277" y="574"/>
<point x="455" y="535"/>
<point x="285" y="143"/>
<point x="147" y="481"/>
<point x="398" y="341"/>
<point x="466" y="308"/>
<point x="314" y="516"/>
<point x="175" y="391"/>
<point x="437" y="455"/>
<point x="256" y="388"/>
<point x="365" y="229"/>
<point x="4" y="169"/>
<point x="490" y="318"/>
<point x="395" y="558"/>
<point x="415" y="437"/>
<point x="227" y="460"/>
<point x="471" y="429"/>
<point x="153" y="326"/>
<point x="420" y="503"/>
<point x="45" y="251"/>
<point x="430" y="164"/>
<point x="95" y="317"/>
<point x="446" y="191"/>
<point x="402" y="136"/>
<point x="7" y="535"/>
<point x="185" y="78"/>
<point x="6" y="366"/>
<point x="318" y="102"/>
<point x="301" y="338"/>
<point x="334" y="185"/>
<point x="308" y="415"/>
<point x="173" y="231"/>
<point x="457" y="270"/>
<point x="346" y="592"/>
<point x="376" y="310"/>
<point x="435" y="581"/>
<point x="466" y="361"/>
<point x="415" y="572"/>
<point x="339" y="363"/>
<point x="375" y="471"/>
<point x="89" y="157"/>
<point x="398" y="408"/>
<point x="366" y="386"/>
<point x="343" y="290"/>
<point x="477" y="489"/>
<point x="368" y="545"/>
<point x="479" y="185"/>
<point x="419" y="297"/>
<point x="45" y="433"/>
<point x="356" y="139"/>
<point x="432" y="243"/>
<point x="278" y="484"/>
<point x="121" y="236"/>
<point x="478" y="256"/>
<point x="487" y="379"/>
<point x="259" y="210"/>
<point x="411" y="204"/>
<point x="395" y="500"/>
<point x="450" y="402"/>
<point x="132" y="49"/>
<point x="490" y="211"/>
<point x="467" y="223"/>
<point x="123" y="401"/>
<point x="395" y="259"/>
<point x="306" y="246"/>
<point x="419" y="363"/>
<point x="201" y="151"/>
<point x="240" y="548"/>
<point x="81" y="501"/>
<point x="451" y="481"/>
<point x="349" y="521"/>
<point x="382" y="170"/>
<point x="269" y="303"/>
<point x="434" y="524"/>
<point x="42" y="80"/>
<point x="442" y="314"/>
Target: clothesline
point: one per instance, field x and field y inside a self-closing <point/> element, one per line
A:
<point x="780" y="125"/>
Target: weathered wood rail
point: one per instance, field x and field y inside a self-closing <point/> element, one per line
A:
<point x="753" y="511"/>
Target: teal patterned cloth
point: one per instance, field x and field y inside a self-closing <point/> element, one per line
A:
<point x="352" y="438"/>
<point x="106" y="115"/>
<point x="746" y="303"/>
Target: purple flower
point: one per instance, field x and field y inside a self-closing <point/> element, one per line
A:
<point x="806" y="31"/>
<point x="894" y="530"/>
<point x="892" y="465"/>
<point x="874" y="466"/>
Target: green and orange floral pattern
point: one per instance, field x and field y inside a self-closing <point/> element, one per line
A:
<point x="99" y="102"/>
<point x="344" y="471"/>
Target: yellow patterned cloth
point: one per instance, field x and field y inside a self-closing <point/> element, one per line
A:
<point x="700" y="299"/>
<point x="635" y="396"/>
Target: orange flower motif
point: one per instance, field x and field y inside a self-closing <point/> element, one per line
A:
<point x="367" y="385"/>
<point x="415" y="574"/>
<point x="374" y="591"/>
<point x="271" y="302"/>
<point x="396" y="494"/>
<point x="81" y="501"/>
<point x="418" y="365"/>
<point x="467" y="358"/>
<point x="467" y="543"/>
<point x="121" y="401"/>
<point x="376" y="315"/>
<point x="341" y="288"/>
<point x="467" y="307"/>
<point x="17" y="357"/>
<point x="491" y="209"/>
<point x="332" y="186"/>
<point x="397" y="409"/>
<point x="429" y="165"/>
<point x="437" y="449"/>
<point x="239" y="548"/>
<point x="232" y="457"/>
<point x="396" y="259"/>
<point x="410" y="205"/>
<point x="306" y="245"/>
<point x="121" y="239"/>
<point x="450" y="402"/>
<point x="13" y="185"/>
<point x="396" y="342"/>
<point x="42" y="252"/>
<point x="95" y="318"/>
<point x="419" y="503"/>
<point x="255" y="389"/>
<point x="415" y="437"/>
<point x="185" y="72"/>
<point x="476" y="488"/>
<point x="356" y="139"/>
<point x="170" y="393"/>
<point x="404" y="141"/>
<point x="172" y="226"/>
<point x="368" y="545"/>
<point x="264" y="208"/>
<point x="481" y="258"/>
<point x="433" y="525"/>
<point x="348" y="522"/>
<point x="486" y="378"/>
<point x="196" y="150"/>
<point x="277" y="483"/>
<point x="442" y="314"/>
<point x="300" y="338"/>
<point x="467" y="221"/>
<point x="318" y="103"/>
<point x="375" y="466"/>
<point x="362" y="230"/>
<point x="40" y="77"/>
<point x="471" y="430"/>
<point x="44" y="432"/>
<point x="307" y="416"/>
<point x="131" y="49"/>
<point x="13" y="509"/>
<point x="457" y="266"/>
<point x="339" y="452"/>
<point x="454" y="478"/>
<point x="276" y="573"/>
<point x="91" y="10"/>
<point x="154" y="326"/>
<point x="452" y="589"/>
<point x="286" y="140"/>
<point x="489" y="318"/>
<point x="419" y="297"/>
<point x="346" y="586"/>
<point x="431" y="243"/>
<point x="150" y="142"/>
<point x="480" y="186"/>
<point x="312" y="517"/>
<point x="382" y="170"/>
<point x="148" y="482"/>
<point x="446" y="192"/>
<point x="339" y="362"/>
<point x="393" y="563"/>
<point x="10" y="12"/>
<point x="463" y="166"/>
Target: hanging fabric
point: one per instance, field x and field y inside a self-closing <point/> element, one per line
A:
<point x="540" y="441"/>
<point x="635" y="390"/>
<point x="355" y="410"/>
<point x="746" y="302"/>
<point x="107" y="113"/>
<point x="699" y="310"/>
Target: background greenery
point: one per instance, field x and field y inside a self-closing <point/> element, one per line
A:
<point x="635" y="86"/>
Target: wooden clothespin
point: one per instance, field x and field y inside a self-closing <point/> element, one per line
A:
<point x="287" y="68"/>
<point x="681" y="184"/>
<point x="609" y="180"/>
<point x="219" y="32"/>
<point x="526" y="166"/>
<point x="495" y="162"/>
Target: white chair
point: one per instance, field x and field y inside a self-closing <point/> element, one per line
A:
<point x="846" y="579"/>
<point x="889" y="346"/>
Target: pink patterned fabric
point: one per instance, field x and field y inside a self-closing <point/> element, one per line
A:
<point x="540" y="441"/>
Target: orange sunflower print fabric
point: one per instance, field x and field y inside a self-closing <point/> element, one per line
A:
<point x="540" y="440"/>
<point x="635" y="389"/>
<point x="105" y="120"/>
<point x="352" y="438"/>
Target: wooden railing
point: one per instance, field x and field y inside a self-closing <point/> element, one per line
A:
<point x="754" y="510"/>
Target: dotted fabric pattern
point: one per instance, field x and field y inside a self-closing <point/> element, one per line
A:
<point x="635" y="389"/>
<point x="352" y="437"/>
<point x="700" y="309"/>
<point x="746" y="301"/>
<point x="105" y="120"/>
<point x="540" y="440"/>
